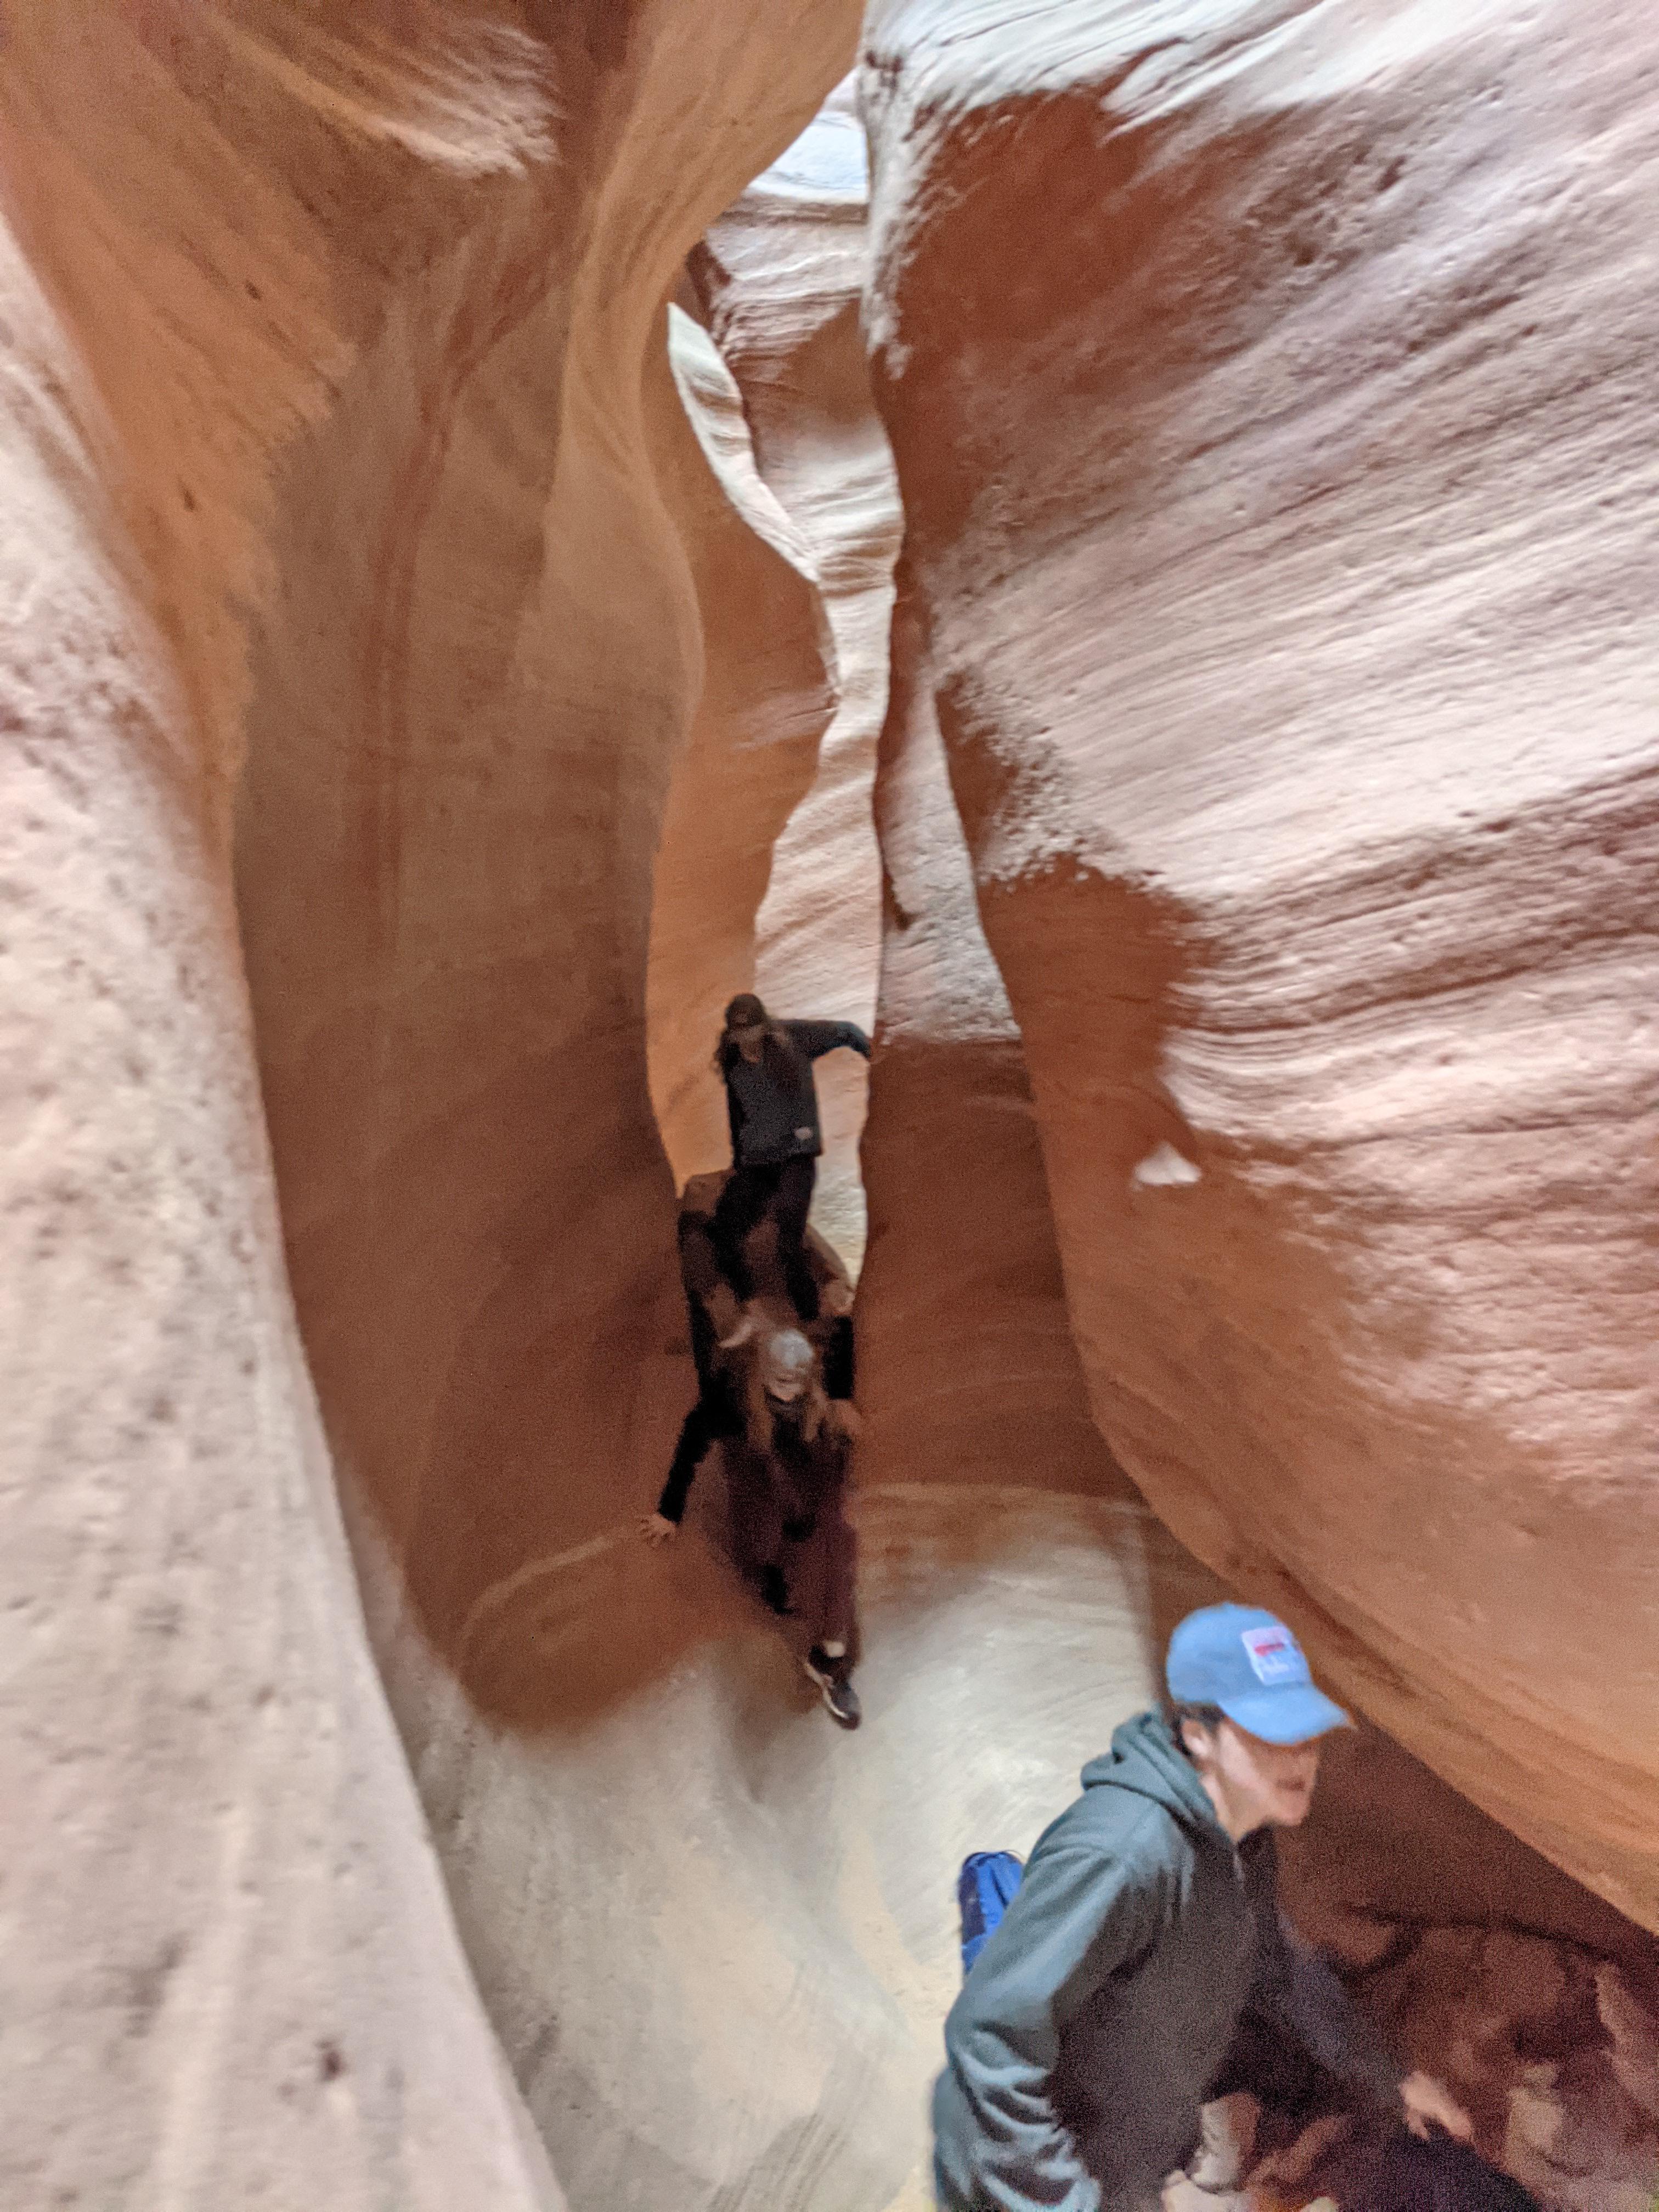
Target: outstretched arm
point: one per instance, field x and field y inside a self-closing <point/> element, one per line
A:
<point x="816" y="1038"/>
<point x="1311" y="2002"/>
<point x="1077" y="1916"/>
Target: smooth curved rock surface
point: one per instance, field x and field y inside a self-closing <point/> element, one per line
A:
<point x="968" y="1375"/>
<point x="967" y="1368"/>
<point x="232" y="1976"/>
<point x="329" y="459"/>
<point x="348" y="444"/>
<point x="719" y="1936"/>
<point x="1269" y="390"/>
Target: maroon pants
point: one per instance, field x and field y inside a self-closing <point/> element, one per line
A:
<point x="825" y="1580"/>
<point x="791" y="1519"/>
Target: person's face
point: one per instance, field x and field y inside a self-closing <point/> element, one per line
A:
<point x="750" y="1043"/>
<point x="1253" y="1784"/>
<point x="783" y="1382"/>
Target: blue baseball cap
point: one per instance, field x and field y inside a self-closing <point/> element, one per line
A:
<point x="1248" y="1662"/>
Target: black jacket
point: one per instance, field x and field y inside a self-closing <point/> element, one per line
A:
<point x="1094" y="2019"/>
<point x="773" y="1104"/>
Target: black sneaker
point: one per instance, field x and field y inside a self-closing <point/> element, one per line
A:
<point x="841" y="1700"/>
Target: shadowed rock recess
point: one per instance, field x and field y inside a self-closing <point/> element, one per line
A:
<point x="1116" y="544"/>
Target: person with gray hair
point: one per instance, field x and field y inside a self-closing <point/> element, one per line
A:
<point x="780" y="1404"/>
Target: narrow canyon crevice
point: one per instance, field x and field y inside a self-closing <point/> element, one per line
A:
<point x="1111" y="554"/>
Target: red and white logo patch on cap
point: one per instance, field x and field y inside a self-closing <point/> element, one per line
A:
<point x="1275" y="1654"/>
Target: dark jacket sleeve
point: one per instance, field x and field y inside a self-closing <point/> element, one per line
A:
<point x="816" y="1038"/>
<point x="696" y="1434"/>
<point x="734" y="1122"/>
<point x="1296" y="1987"/>
<point x="839" y="1372"/>
<point x="1077" y="1916"/>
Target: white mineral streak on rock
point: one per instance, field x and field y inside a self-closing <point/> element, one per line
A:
<point x="1164" y="1169"/>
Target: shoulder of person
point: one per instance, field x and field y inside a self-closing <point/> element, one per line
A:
<point x="1128" y="1833"/>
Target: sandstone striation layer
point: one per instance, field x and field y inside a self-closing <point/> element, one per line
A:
<point x="769" y="689"/>
<point x="1268" y="386"/>
<point x="231" y="1975"/>
<point x="968" y="1372"/>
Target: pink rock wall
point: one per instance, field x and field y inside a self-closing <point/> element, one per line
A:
<point x="1268" y="389"/>
<point x="232" y="1973"/>
<point x="966" y="1370"/>
<point x="1269" y="698"/>
<point x="331" y="506"/>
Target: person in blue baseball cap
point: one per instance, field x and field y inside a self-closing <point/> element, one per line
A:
<point x="1105" y="2009"/>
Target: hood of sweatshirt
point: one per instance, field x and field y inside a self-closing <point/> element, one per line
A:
<point x="1146" y="1759"/>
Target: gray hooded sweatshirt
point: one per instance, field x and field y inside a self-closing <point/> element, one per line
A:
<point x="1094" y="2021"/>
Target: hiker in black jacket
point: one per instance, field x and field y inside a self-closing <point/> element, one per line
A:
<point x="773" y="1106"/>
<point x="1094" y="2022"/>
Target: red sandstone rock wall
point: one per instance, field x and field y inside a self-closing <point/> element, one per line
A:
<point x="329" y="468"/>
<point x="968" y="1373"/>
<point x="347" y="455"/>
<point x="1268" y="391"/>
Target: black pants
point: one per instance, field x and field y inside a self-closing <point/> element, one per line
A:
<point x="784" y="1192"/>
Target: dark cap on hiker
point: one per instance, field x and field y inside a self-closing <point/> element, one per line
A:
<point x="1248" y="1663"/>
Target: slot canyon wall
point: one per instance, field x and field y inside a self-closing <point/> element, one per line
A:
<point x="1266" y="388"/>
<point x="1001" y="366"/>
<point x="444" y="652"/>
<point x="332" y="364"/>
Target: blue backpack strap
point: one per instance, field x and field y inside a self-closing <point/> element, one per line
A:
<point x="984" y="1888"/>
